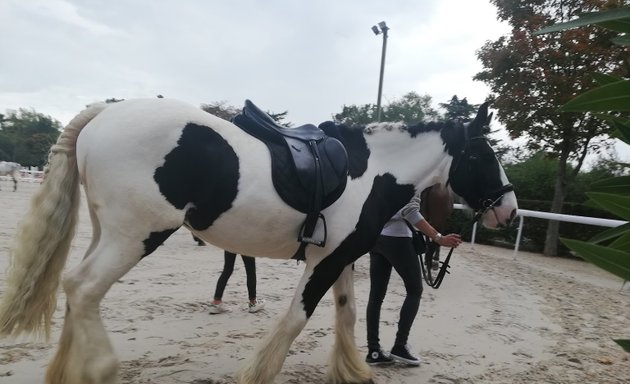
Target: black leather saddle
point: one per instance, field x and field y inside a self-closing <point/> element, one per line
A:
<point x="309" y="169"/>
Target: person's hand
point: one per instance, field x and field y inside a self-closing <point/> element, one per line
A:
<point x="452" y="240"/>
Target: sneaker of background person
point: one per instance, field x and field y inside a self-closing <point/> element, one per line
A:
<point x="401" y="354"/>
<point x="378" y="357"/>
<point x="216" y="308"/>
<point x="256" y="306"/>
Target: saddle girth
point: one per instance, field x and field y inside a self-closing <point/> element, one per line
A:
<point x="309" y="169"/>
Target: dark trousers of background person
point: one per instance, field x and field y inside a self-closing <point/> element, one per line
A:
<point x="397" y="252"/>
<point x="228" y="268"/>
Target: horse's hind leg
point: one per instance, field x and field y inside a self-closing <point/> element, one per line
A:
<point x="85" y="354"/>
<point x="346" y="364"/>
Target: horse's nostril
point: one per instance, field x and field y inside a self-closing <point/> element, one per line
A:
<point x="512" y="215"/>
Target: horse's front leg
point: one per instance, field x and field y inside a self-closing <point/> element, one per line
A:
<point x="346" y="364"/>
<point x="270" y="354"/>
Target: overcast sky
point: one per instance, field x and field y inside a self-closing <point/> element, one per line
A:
<point x="309" y="58"/>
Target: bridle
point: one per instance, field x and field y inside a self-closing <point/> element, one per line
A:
<point x="492" y="198"/>
<point x="485" y="203"/>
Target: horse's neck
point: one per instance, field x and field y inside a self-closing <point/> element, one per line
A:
<point x="420" y="161"/>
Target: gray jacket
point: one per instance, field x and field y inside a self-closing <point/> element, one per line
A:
<point x="396" y="226"/>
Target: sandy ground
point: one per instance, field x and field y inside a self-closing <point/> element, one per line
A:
<point x="495" y="319"/>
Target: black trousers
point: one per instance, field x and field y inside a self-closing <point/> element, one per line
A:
<point x="228" y="268"/>
<point x="396" y="252"/>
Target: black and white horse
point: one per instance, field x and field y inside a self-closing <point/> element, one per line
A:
<point x="11" y="169"/>
<point x="185" y="167"/>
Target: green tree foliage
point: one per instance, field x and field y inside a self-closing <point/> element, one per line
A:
<point x="610" y="249"/>
<point x="531" y="76"/>
<point x="26" y="137"/>
<point x="221" y="109"/>
<point x="459" y="110"/>
<point x="533" y="178"/>
<point x="411" y="108"/>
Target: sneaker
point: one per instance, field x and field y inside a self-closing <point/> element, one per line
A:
<point x="378" y="357"/>
<point x="215" y="309"/>
<point x="257" y="306"/>
<point x="402" y="354"/>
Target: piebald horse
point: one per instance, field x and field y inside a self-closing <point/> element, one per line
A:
<point x="11" y="169"/>
<point x="185" y="167"/>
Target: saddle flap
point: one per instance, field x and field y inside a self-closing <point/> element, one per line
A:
<point x="334" y="160"/>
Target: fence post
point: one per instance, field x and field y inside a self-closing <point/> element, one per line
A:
<point x="518" y="235"/>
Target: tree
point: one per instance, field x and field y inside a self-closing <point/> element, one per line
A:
<point x="221" y="109"/>
<point x="459" y="110"/>
<point x="225" y="111"/>
<point x="410" y="109"/>
<point x="26" y="137"/>
<point x="533" y="177"/>
<point x="532" y="76"/>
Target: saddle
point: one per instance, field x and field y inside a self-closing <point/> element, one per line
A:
<point x="309" y="169"/>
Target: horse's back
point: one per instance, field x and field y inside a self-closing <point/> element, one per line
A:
<point x="170" y="163"/>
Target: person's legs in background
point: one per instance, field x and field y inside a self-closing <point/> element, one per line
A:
<point x="254" y="304"/>
<point x="216" y="306"/>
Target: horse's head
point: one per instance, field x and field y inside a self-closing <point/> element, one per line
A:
<point x="476" y="174"/>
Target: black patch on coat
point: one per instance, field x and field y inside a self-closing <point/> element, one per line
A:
<point x="202" y="170"/>
<point x="156" y="239"/>
<point x="384" y="200"/>
<point x="354" y="142"/>
<point x="343" y="300"/>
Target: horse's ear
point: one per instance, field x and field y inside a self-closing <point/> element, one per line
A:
<point x="481" y="120"/>
<point x="486" y="128"/>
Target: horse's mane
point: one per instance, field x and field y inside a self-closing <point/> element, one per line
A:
<point x="432" y="126"/>
<point x="353" y="137"/>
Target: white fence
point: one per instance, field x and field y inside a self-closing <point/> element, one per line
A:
<point x="28" y="175"/>
<point x="523" y="213"/>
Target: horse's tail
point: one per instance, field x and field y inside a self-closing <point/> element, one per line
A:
<point x="43" y="239"/>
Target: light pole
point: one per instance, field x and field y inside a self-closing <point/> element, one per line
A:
<point x="381" y="28"/>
